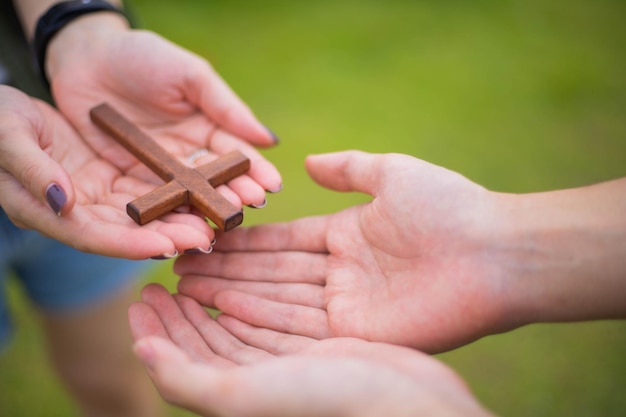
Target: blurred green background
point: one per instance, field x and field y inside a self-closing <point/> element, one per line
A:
<point x="519" y="96"/>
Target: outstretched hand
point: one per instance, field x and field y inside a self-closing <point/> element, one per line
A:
<point x="410" y="267"/>
<point x="197" y="364"/>
<point x="173" y="95"/>
<point x="38" y="148"/>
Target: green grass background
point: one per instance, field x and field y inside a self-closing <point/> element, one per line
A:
<point x="519" y="96"/>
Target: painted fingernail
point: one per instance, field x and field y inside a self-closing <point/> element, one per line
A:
<point x="56" y="197"/>
<point x="165" y="256"/>
<point x="275" y="190"/>
<point x="273" y="135"/>
<point x="258" y="206"/>
<point x="199" y="251"/>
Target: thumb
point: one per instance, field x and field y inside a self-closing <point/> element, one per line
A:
<point x="346" y="171"/>
<point x="158" y="354"/>
<point x="218" y="101"/>
<point x="23" y="158"/>
<point x="179" y="380"/>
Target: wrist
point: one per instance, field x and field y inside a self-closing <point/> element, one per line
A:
<point x="79" y="38"/>
<point x="564" y="254"/>
<point x="63" y="17"/>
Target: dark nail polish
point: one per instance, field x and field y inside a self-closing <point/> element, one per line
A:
<point x="276" y="190"/>
<point x="258" y="206"/>
<point x="273" y="135"/>
<point x="56" y="198"/>
<point x="165" y="256"/>
<point x="199" y="251"/>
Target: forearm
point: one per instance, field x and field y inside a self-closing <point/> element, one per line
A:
<point x="566" y="254"/>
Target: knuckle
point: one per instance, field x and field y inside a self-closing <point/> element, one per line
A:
<point x="30" y="175"/>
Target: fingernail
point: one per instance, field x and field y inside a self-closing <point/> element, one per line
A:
<point x="273" y="135"/>
<point x="276" y="190"/>
<point x="165" y="256"/>
<point x="258" y="206"/>
<point x="56" y="198"/>
<point x="199" y="251"/>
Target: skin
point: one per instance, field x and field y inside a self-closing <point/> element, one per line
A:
<point x="433" y="262"/>
<point x="195" y="363"/>
<point x="37" y="147"/>
<point x="170" y="93"/>
<point x="173" y="95"/>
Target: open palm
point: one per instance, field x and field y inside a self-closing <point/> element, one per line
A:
<point x="197" y="364"/>
<point x="39" y="146"/>
<point x="171" y="94"/>
<point x="410" y="267"/>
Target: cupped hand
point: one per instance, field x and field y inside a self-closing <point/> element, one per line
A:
<point x="39" y="150"/>
<point x="414" y="266"/>
<point x="195" y="363"/>
<point x="170" y="93"/>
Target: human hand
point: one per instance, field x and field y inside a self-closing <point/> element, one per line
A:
<point x="433" y="262"/>
<point x="197" y="364"/>
<point x="38" y="148"/>
<point x="412" y="267"/>
<point x="173" y="95"/>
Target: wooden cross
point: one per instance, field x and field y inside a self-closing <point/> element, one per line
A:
<point x="183" y="185"/>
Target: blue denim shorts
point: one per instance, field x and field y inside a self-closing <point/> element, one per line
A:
<point x="56" y="277"/>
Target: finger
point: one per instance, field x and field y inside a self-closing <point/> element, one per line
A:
<point x="178" y="379"/>
<point x="230" y="195"/>
<point x="110" y="238"/>
<point x="285" y="318"/>
<point x="346" y="171"/>
<point x="261" y="170"/>
<point x="24" y="209"/>
<point x="186" y="231"/>
<point x="178" y="328"/>
<point x="223" y="343"/>
<point x="243" y="191"/>
<point x="285" y="387"/>
<point x="295" y="267"/>
<point x="98" y="229"/>
<point x="248" y="191"/>
<point x="307" y="234"/>
<point x="145" y="322"/>
<point x="242" y="391"/>
<point x="22" y="154"/>
<point x="268" y="340"/>
<point x="204" y="290"/>
<point x="214" y="97"/>
<point x="107" y="230"/>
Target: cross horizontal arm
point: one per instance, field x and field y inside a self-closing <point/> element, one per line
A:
<point x="154" y="204"/>
<point x="224" y="169"/>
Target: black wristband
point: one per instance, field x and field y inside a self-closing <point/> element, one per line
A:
<point x="55" y="18"/>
